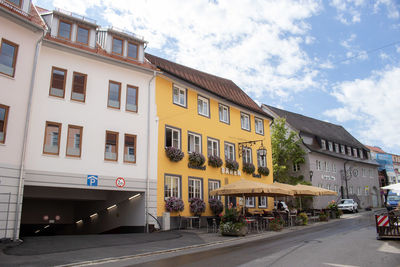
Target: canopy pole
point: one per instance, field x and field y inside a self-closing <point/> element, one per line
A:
<point x="300" y="202"/>
<point x="244" y="205"/>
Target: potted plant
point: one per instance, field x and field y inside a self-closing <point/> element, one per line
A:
<point x="323" y="217"/>
<point x="196" y="160"/>
<point x="333" y="210"/>
<point x="248" y="168"/>
<point x="231" y="164"/>
<point x="216" y="206"/>
<point x="174" y="154"/>
<point x="197" y="206"/>
<point x="214" y="161"/>
<point x="263" y="171"/>
<point x="303" y="218"/>
<point x="174" y="204"/>
<point x="232" y="224"/>
<point x="276" y="224"/>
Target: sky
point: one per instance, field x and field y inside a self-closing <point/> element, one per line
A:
<point x="337" y="61"/>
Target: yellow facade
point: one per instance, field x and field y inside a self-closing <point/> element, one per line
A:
<point x="187" y="119"/>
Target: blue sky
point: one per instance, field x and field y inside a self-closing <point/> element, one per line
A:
<point x="337" y="60"/>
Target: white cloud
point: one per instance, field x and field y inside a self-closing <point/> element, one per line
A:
<point x="383" y="56"/>
<point x="372" y="103"/>
<point x="391" y="6"/>
<point x="348" y="11"/>
<point x="253" y="43"/>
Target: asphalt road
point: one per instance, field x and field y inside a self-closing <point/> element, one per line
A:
<point x="346" y="243"/>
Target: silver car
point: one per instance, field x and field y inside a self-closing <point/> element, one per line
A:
<point x="348" y="205"/>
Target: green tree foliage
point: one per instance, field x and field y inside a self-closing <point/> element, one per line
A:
<point x="286" y="151"/>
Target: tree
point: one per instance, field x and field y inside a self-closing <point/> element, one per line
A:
<point x="286" y="151"/>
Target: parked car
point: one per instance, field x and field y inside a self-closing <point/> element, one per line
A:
<point x="285" y="207"/>
<point x="392" y="201"/>
<point x="348" y="205"/>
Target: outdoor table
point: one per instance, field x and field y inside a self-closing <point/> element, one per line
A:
<point x="292" y="219"/>
<point x="267" y="219"/>
<point x="250" y="223"/>
<point x="191" y="219"/>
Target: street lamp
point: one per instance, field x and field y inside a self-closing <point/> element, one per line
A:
<point x="311" y="175"/>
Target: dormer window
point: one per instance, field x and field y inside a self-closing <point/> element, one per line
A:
<point x="355" y="152"/>
<point x="323" y="144"/>
<point x="361" y="154"/>
<point x="337" y="148"/>
<point x="17" y="3"/>
<point x="117" y="46"/>
<point x="133" y="50"/>
<point x="330" y="146"/>
<point x="82" y="36"/>
<point x="64" y="30"/>
<point x="342" y="150"/>
<point x="368" y="155"/>
<point x="349" y="151"/>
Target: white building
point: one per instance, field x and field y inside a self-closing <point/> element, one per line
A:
<point x="21" y="31"/>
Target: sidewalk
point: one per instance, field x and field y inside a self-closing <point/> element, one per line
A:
<point x="65" y="250"/>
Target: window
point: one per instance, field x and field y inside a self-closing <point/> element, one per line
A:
<point x="212" y="185"/>
<point x="111" y="149"/>
<point x="335" y="188"/>
<point x="323" y="144"/>
<point x="117" y="46"/>
<point x="114" y="94"/>
<point x="131" y="98"/>
<point x="57" y="85"/>
<point x="247" y="155"/>
<point x="74" y="138"/>
<point x="172" y="137"/>
<point x="133" y="50"/>
<point x="64" y="30"/>
<point x="130" y="148"/>
<point x="223" y="113"/>
<point x="259" y="125"/>
<point x="179" y="95"/>
<point x="296" y="167"/>
<point x="78" y="87"/>
<point x="3" y="122"/>
<point x="16" y="3"/>
<point x="325" y="166"/>
<point x="229" y="151"/>
<point x="203" y="106"/>
<point x="342" y="150"/>
<point x="212" y="147"/>
<point x="262" y="158"/>
<point x="172" y="186"/>
<point x="363" y="171"/>
<point x="351" y="190"/>
<point x="245" y="121"/>
<point x="337" y="148"/>
<point x="194" y="142"/>
<point x="333" y="167"/>
<point x="8" y="57"/>
<point x="52" y="138"/>
<point x="318" y="165"/>
<point x="330" y="146"/>
<point x="250" y="202"/>
<point x="328" y="186"/>
<point x="355" y="152"/>
<point x="361" y="154"/>
<point x="359" y="191"/>
<point x="82" y="35"/>
<point x="262" y="202"/>
<point x="349" y="151"/>
<point x="195" y="188"/>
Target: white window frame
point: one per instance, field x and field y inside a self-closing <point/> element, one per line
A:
<point x="172" y="136"/>
<point x="323" y="144"/>
<point x="318" y="165"/>
<point x="264" y="205"/>
<point x="178" y="183"/>
<point x="247" y="155"/>
<point x="261" y="162"/>
<point x="212" y="185"/>
<point x="355" y="152"/>
<point x="342" y="149"/>
<point x="359" y="191"/>
<point x="226" y="152"/>
<point x="333" y="167"/>
<point x="197" y="143"/>
<point x="349" y="151"/>
<point x="337" y="148"/>
<point x="225" y="110"/>
<point x="296" y="167"/>
<point x="259" y="125"/>
<point x="214" y="146"/>
<point x="250" y="202"/>
<point x="243" y="119"/>
<point x="330" y="146"/>
<point x="182" y="92"/>
<point x="203" y="106"/>
<point x="195" y="184"/>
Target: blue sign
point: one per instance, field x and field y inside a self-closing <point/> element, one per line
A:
<point x="92" y="180"/>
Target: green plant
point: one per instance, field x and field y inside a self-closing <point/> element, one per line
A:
<point x="197" y="206"/>
<point x="263" y="171"/>
<point x="174" y="154"/>
<point x="303" y="218"/>
<point x="216" y="206"/>
<point x="231" y="221"/>
<point x="196" y="159"/>
<point x="276" y="224"/>
<point x="339" y="213"/>
<point x="215" y="161"/>
<point x="323" y="217"/>
<point x="232" y="164"/>
<point x="248" y="168"/>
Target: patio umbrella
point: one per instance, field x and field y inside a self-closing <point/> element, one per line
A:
<point x="244" y="187"/>
<point x="393" y="187"/>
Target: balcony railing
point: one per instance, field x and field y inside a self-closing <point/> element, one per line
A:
<point x="74" y="15"/>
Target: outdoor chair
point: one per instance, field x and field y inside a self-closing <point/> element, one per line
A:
<point x="212" y="225"/>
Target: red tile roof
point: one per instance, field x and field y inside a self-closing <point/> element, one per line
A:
<point x="32" y="16"/>
<point x="376" y="149"/>
<point x="224" y="88"/>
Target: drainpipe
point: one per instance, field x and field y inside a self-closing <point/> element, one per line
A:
<point x="148" y="153"/>
<point x="27" y="118"/>
<point x="345" y="178"/>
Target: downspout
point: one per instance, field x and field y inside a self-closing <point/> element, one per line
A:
<point x="27" y="119"/>
<point x="148" y="153"/>
<point x="345" y="178"/>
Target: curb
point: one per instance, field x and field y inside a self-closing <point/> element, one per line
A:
<point x="244" y="239"/>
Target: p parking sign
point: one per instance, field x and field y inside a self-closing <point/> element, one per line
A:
<point x="92" y="180"/>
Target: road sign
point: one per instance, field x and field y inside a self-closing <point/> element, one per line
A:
<point x="383" y="221"/>
<point x="120" y="182"/>
<point x="92" y="180"/>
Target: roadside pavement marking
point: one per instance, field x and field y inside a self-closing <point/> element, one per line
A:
<point x="386" y="247"/>
<point x="340" y="265"/>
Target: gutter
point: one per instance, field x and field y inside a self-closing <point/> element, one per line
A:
<point x="21" y="18"/>
<point x="24" y="142"/>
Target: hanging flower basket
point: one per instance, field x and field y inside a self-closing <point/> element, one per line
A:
<point x="196" y="161"/>
<point x="174" y="204"/>
<point x="174" y="154"/>
<point x="215" y="161"/>
<point x="197" y="206"/>
<point x="232" y="164"/>
<point x="263" y="171"/>
<point x="216" y="206"/>
<point x="249" y="168"/>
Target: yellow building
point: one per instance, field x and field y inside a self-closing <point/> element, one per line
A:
<point x="200" y="112"/>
